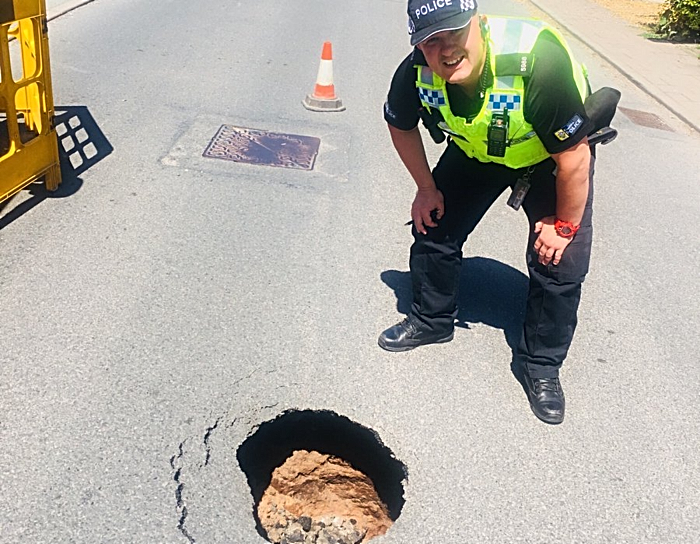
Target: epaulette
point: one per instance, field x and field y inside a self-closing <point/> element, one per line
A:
<point x="514" y="64"/>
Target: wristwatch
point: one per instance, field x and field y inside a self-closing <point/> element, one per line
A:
<point x="566" y="229"/>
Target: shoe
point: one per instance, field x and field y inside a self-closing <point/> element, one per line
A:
<point x="407" y="335"/>
<point x="546" y="398"/>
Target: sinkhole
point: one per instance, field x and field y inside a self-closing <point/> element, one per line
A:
<point x="318" y="477"/>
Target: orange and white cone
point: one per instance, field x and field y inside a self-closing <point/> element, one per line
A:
<point x="323" y="98"/>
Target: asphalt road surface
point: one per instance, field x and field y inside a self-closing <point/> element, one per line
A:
<point x="161" y="305"/>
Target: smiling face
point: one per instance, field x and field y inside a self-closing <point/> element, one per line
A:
<point x="457" y="56"/>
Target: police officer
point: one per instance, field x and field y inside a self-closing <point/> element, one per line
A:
<point x="510" y="96"/>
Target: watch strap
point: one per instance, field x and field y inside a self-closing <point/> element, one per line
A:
<point x="565" y="229"/>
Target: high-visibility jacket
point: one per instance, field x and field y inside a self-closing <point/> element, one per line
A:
<point x="511" y="42"/>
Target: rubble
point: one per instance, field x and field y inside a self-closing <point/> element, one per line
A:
<point x="315" y="498"/>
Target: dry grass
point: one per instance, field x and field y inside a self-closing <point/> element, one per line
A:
<point x="638" y="12"/>
<point x="641" y="13"/>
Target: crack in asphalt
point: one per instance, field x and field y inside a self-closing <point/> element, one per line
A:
<point x="180" y="502"/>
<point x="207" y="436"/>
<point x="176" y="464"/>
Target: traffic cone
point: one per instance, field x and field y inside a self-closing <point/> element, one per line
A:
<point x="323" y="98"/>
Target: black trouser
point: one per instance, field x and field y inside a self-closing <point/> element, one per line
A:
<point x="469" y="188"/>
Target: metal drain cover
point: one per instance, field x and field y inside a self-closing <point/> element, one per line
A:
<point x="645" y="119"/>
<point x="253" y="146"/>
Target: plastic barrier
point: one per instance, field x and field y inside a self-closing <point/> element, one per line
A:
<point x="28" y="142"/>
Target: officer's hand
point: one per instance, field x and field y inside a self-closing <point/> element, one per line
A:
<point x="425" y="202"/>
<point x="549" y="246"/>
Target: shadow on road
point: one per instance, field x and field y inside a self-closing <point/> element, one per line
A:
<point x="490" y="292"/>
<point x="81" y="145"/>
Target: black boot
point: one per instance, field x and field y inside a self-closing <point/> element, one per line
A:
<point x="410" y="334"/>
<point x="546" y="398"/>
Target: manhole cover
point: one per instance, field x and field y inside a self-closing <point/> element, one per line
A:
<point x="645" y="119"/>
<point x="253" y="146"/>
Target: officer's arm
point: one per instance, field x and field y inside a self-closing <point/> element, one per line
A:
<point x="572" y="181"/>
<point x="409" y="145"/>
<point x="572" y="192"/>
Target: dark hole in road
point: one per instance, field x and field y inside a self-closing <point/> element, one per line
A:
<point x="305" y="435"/>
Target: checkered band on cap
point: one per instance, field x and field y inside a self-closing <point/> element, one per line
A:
<point x="431" y="97"/>
<point x="498" y="102"/>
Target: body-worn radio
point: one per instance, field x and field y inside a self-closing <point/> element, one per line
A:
<point x="498" y="134"/>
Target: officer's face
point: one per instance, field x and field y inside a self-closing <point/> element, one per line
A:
<point x="457" y="56"/>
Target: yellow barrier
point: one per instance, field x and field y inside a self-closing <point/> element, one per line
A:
<point x="28" y="142"/>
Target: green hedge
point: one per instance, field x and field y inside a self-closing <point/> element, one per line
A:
<point x="680" y="20"/>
